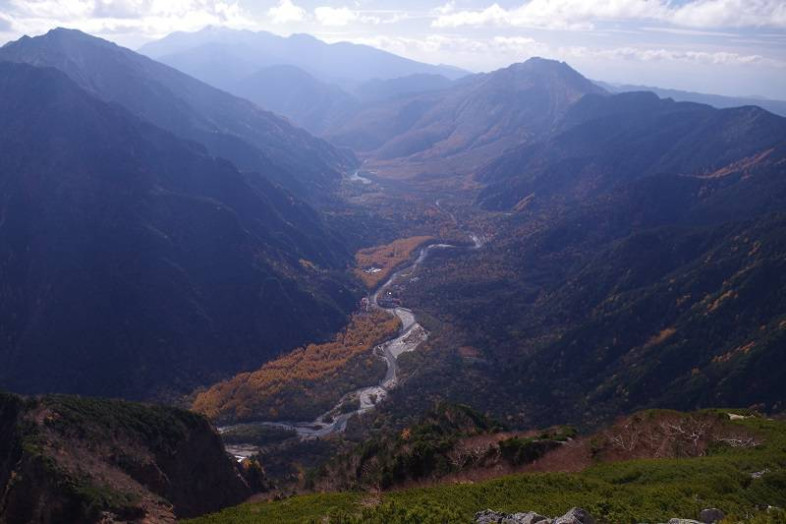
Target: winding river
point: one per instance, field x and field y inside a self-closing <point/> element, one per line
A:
<point x="410" y="336"/>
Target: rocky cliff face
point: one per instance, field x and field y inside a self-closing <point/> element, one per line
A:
<point x="69" y="459"/>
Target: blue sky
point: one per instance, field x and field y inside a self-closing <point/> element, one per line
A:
<point x="735" y="47"/>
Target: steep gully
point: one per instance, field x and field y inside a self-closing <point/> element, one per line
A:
<point x="410" y="336"/>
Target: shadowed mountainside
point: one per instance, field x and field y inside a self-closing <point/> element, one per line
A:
<point x="66" y="459"/>
<point x="605" y="141"/>
<point x="290" y="91"/>
<point x="641" y="267"/>
<point x="133" y="263"/>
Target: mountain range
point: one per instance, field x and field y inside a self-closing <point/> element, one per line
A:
<point x="609" y="207"/>
<point x="318" y="86"/>
<point x="603" y="140"/>
<point x="722" y="102"/>
<point x="223" y="56"/>
<point x="147" y="242"/>
<point x="228" y="126"/>
<point x="581" y="254"/>
<point x="639" y="265"/>
<point x="473" y="120"/>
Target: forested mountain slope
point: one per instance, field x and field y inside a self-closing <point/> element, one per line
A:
<point x="67" y="459"/>
<point x="133" y="263"/>
<point x="604" y="141"/>
<point x="610" y="290"/>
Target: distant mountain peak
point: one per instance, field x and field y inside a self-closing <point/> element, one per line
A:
<point x="547" y="73"/>
<point x="477" y="118"/>
<point x="57" y="34"/>
<point x="223" y="30"/>
<point x="64" y="30"/>
<point x="305" y="37"/>
<point x="344" y="63"/>
<point x="67" y="32"/>
<point x="542" y="60"/>
<point x="67" y="35"/>
<point x="539" y="64"/>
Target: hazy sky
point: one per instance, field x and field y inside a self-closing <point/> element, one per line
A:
<point x="733" y="47"/>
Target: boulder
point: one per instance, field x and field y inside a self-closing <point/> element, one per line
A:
<point x="683" y="521"/>
<point x="710" y="515"/>
<point x="530" y="518"/>
<point x="575" y="516"/>
<point x="488" y="516"/>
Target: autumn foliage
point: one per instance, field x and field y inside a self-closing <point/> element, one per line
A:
<point x="307" y="381"/>
<point x="385" y="258"/>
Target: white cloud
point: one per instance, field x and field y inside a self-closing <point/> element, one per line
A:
<point x="335" y="16"/>
<point x="493" y="15"/>
<point x="669" y="55"/>
<point x="552" y="14"/>
<point x="500" y="51"/>
<point x="139" y="19"/>
<point x="5" y="24"/>
<point x="120" y="8"/>
<point x="344" y="16"/>
<point x="581" y="14"/>
<point x="689" y="32"/>
<point x="731" y="13"/>
<point x="444" y="9"/>
<point x="424" y="47"/>
<point x="519" y="45"/>
<point x="286" y="12"/>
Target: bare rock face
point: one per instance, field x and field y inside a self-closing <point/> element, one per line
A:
<point x="574" y="516"/>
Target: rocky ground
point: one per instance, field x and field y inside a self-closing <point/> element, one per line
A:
<point x="578" y="516"/>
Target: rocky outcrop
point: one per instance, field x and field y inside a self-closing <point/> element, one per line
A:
<point x="69" y="459"/>
<point x="494" y="517"/>
<point x="578" y="516"/>
<point x="574" y="516"/>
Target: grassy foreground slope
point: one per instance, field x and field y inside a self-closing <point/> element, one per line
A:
<point x="741" y="476"/>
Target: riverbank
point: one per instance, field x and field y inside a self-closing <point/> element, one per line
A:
<point x="410" y="336"/>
